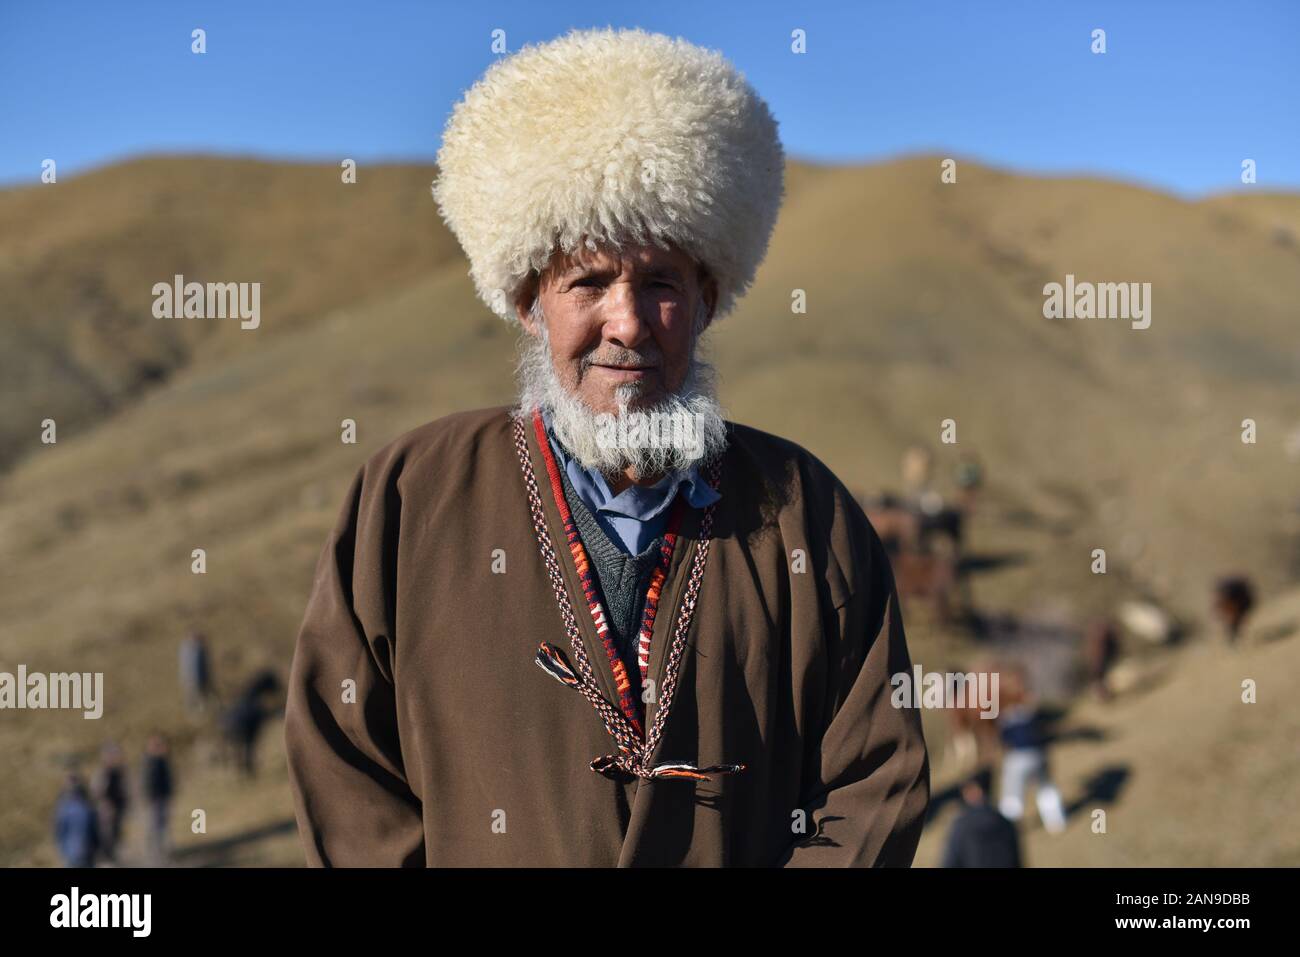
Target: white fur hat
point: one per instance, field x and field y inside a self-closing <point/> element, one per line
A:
<point x="605" y="136"/>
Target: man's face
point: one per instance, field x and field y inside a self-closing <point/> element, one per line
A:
<point x="621" y="323"/>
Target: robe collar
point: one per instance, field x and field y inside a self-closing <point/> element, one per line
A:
<point x="634" y="517"/>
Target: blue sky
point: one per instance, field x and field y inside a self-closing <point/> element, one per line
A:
<point x="1184" y="93"/>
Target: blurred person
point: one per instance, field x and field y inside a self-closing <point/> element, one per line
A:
<point x="972" y="735"/>
<point x="1024" y="757"/>
<point x="969" y="476"/>
<point x="509" y="592"/>
<point x="1101" y="651"/>
<point x="916" y="468"/>
<point x="980" y="836"/>
<point x="157" y="788"/>
<point x="195" y="672"/>
<point x="1234" y="598"/>
<point x="76" y="827"/>
<point x="110" y="792"/>
<point x="919" y="493"/>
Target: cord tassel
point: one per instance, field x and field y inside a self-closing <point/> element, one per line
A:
<point x="611" y="765"/>
<point x="690" y="771"/>
<point x="552" y="660"/>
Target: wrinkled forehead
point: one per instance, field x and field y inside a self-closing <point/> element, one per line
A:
<point x="637" y="259"/>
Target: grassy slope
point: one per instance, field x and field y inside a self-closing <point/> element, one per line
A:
<point x="78" y="261"/>
<point x="1207" y="780"/>
<point x="924" y="303"/>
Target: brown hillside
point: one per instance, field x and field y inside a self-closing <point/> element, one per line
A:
<point x="924" y="303"/>
<point x="79" y="258"/>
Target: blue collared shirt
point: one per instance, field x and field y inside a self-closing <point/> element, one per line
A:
<point x="638" y="515"/>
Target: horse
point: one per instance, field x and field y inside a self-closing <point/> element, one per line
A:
<point x="242" y="722"/>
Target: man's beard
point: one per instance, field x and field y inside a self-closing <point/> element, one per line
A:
<point x="586" y="434"/>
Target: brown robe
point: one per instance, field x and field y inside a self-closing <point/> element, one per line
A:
<point x="458" y="750"/>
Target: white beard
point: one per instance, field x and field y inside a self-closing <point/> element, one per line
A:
<point x="587" y="434"/>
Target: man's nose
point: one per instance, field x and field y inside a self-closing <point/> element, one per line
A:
<point x="624" y="324"/>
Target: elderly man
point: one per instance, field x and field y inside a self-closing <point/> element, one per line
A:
<point x="564" y="633"/>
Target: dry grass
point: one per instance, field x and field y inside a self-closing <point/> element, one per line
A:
<point x="924" y="303"/>
<point x="1201" y="779"/>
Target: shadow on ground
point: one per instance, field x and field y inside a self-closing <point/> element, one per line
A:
<point x="222" y="852"/>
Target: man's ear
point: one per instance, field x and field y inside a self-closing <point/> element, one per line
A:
<point x="524" y="304"/>
<point x="523" y="307"/>
<point x="709" y="290"/>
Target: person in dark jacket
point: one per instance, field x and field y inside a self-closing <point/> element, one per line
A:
<point x="158" y="787"/>
<point x="109" y="786"/>
<point x="981" y="837"/>
<point x="76" y="828"/>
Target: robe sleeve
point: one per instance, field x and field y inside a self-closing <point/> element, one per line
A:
<point x="870" y="785"/>
<point x="352" y="801"/>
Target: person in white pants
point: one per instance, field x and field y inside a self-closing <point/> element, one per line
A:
<point x="1021" y="766"/>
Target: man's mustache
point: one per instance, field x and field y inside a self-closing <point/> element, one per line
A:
<point x="622" y="357"/>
